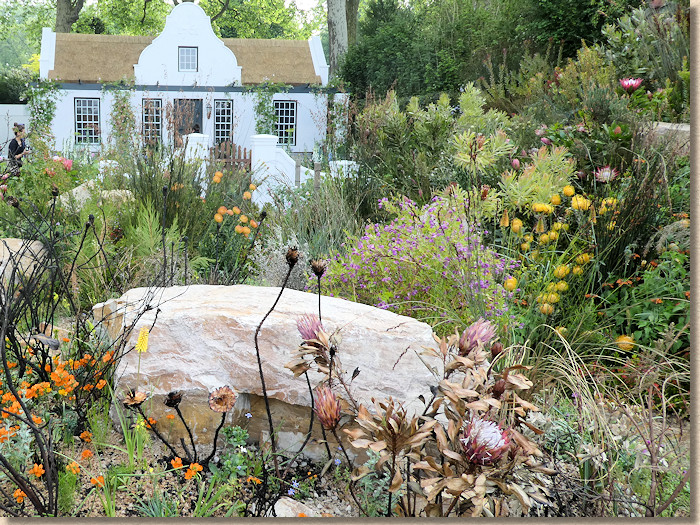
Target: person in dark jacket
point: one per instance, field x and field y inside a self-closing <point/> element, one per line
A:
<point x="18" y="149"/>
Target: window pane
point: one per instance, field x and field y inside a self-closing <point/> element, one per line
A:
<point x="152" y="119"/>
<point x="187" y="58"/>
<point x="223" y="120"/>
<point x="285" y="125"/>
<point x="87" y="120"/>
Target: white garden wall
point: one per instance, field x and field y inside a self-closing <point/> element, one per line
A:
<point x="9" y="114"/>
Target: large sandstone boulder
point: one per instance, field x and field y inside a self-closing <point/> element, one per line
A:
<point x="203" y="338"/>
<point x="20" y="254"/>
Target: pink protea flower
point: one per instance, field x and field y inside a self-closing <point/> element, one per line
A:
<point x="606" y="174"/>
<point x="327" y="407"/>
<point x="309" y="326"/>
<point x="630" y="84"/>
<point x="483" y="441"/>
<point x="67" y="163"/>
<point x="478" y="333"/>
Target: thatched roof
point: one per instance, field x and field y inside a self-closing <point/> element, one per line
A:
<point x="110" y="58"/>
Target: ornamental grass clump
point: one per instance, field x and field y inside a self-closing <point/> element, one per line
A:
<point x="428" y="262"/>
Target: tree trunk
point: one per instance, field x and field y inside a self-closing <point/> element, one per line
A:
<point x="351" y="8"/>
<point x="337" y="33"/>
<point x="67" y="12"/>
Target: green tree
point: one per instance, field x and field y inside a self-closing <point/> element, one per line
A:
<point x="256" y="19"/>
<point x="20" y="25"/>
<point x="119" y="17"/>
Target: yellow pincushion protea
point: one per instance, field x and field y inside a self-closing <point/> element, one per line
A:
<point x="625" y="342"/>
<point x="579" y="202"/>
<point x="516" y="225"/>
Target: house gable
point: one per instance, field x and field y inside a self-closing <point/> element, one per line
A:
<point x="147" y="60"/>
<point x="187" y="52"/>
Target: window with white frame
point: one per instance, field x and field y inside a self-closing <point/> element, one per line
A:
<point x="87" y="120"/>
<point x="187" y="58"/>
<point x="286" y="121"/>
<point x="223" y="120"/>
<point x="152" y="119"/>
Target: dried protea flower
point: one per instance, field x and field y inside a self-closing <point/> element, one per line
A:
<point x="319" y="267"/>
<point x="309" y="327"/>
<point x="478" y="334"/>
<point x="327" y="407"/>
<point x="292" y="256"/>
<point x="134" y="399"/>
<point x="484" y="441"/>
<point x="173" y="399"/>
<point x="222" y="399"/>
<point x="496" y="348"/>
<point x="498" y="388"/>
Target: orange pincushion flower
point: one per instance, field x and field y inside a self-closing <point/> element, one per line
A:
<point x="19" y="495"/>
<point x="86" y="436"/>
<point x="194" y="468"/>
<point x="37" y="470"/>
<point x="247" y="195"/>
<point x="176" y="463"/>
<point x="99" y="481"/>
<point x="86" y="454"/>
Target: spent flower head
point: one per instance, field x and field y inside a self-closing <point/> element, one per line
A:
<point x="222" y="399"/>
<point x="309" y="327"/>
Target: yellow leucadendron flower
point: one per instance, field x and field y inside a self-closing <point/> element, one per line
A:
<point x="142" y="343"/>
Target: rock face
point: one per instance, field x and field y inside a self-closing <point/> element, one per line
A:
<point x="75" y="199"/>
<point x="203" y="338"/>
<point x="20" y="254"/>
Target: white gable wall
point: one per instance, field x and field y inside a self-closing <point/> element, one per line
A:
<point x="187" y="25"/>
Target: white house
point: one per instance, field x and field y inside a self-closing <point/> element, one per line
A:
<point x="190" y="75"/>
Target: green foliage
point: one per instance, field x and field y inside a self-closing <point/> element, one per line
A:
<point x="265" y="115"/>
<point x="67" y="485"/>
<point x="13" y="83"/>
<point x="569" y="21"/>
<point x="114" y="17"/>
<point x="158" y="505"/>
<point x="257" y="19"/>
<point x="653" y="45"/>
<point x="656" y="304"/>
<point x="41" y="97"/>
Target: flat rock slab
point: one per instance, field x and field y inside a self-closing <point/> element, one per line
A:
<point x="203" y="338"/>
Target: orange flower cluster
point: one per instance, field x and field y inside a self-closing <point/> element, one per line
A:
<point x="150" y="423"/>
<point x="6" y="433"/>
<point x="86" y="454"/>
<point x="86" y="436"/>
<point x="73" y="467"/>
<point x="192" y="471"/>
<point x="19" y="495"/>
<point x="176" y="463"/>
<point x="99" y="481"/>
<point x="37" y="470"/>
<point x="253" y="479"/>
<point x="37" y="390"/>
<point x="64" y="381"/>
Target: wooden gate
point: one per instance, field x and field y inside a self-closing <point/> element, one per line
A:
<point x="233" y="157"/>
